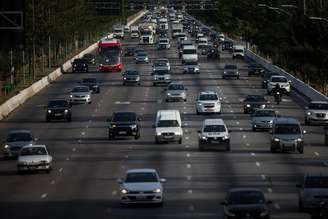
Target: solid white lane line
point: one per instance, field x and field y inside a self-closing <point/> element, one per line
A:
<point x="44" y="195"/>
<point x="258" y="164"/>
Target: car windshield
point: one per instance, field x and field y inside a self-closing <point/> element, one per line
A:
<point x="89" y="56"/>
<point x="316" y="182"/>
<point x="175" y="87"/>
<point x="163" y="41"/>
<point x="33" y="151"/>
<point x="189" y="51"/>
<point x="189" y="62"/>
<point x="78" y="61"/>
<point x="239" y="50"/>
<point x="57" y="103"/>
<point x="268" y="75"/>
<point x="161" y="72"/>
<point x="141" y="177"/>
<point x="132" y="73"/>
<point x="142" y="54"/>
<point x="318" y="106"/>
<point x="279" y="79"/>
<point x="255" y="98"/>
<point x="19" y="136"/>
<point x="89" y="80"/>
<point x="118" y="30"/>
<point x="246" y="198"/>
<point x="214" y="128"/>
<point x="228" y="67"/>
<point x="208" y="97"/>
<point x="264" y="113"/>
<point x="124" y="117"/>
<point x="80" y="89"/>
<point x="160" y="63"/>
<point x="287" y="129"/>
<point x="168" y="123"/>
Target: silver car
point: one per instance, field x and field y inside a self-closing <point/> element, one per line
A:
<point x="176" y="92"/>
<point x="313" y="190"/>
<point x="208" y="102"/>
<point x="316" y="113"/>
<point x="80" y="94"/>
<point x="161" y="64"/>
<point x="34" y="158"/>
<point x="191" y="67"/>
<point x="15" y="141"/>
<point x="161" y="76"/>
<point x="262" y="119"/>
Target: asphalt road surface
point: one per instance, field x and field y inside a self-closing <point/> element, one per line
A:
<point x="86" y="164"/>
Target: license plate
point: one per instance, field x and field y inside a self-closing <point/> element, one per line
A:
<point x="32" y="168"/>
<point x="122" y="132"/>
<point x="58" y="114"/>
<point x="141" y="198"/>
<point x="168" y="137"/>
<point x="216" y="141"/>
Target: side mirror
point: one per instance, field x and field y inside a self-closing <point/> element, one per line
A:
<point x="120" y="181"/>
<point x="162" y="180"/>
<point x="224" y="203"/>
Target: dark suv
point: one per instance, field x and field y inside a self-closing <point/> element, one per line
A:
<point x="58" y="110"/>
<point x="123" y="124"/>
<point x="92" y="83"/>
<point x="80" y="65"/>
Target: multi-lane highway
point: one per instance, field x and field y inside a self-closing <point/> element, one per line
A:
<point x="87" y="165"/>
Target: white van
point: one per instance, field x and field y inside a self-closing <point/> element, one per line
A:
<point x="189" y="53"/>
<point x="168" y="126"/>
<point x="238" y="51"/>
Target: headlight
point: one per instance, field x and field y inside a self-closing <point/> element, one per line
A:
<point x="263" y="106"/>
<point x="228" y="213"/>
<point x="158" y="133"/>
<point x="224" y="72"/>
<point x="276" y="139"/>
<point x="88" y="96"/>
<point x="169" y="94"/>
<point x="66" y="111"/>
<point x="226" y="137"/>
<point x="84" y="65"/>
<point x="49" y="111"/>
<point x="248" y="105"/>
<point x="199" y="104"/>
<point x="204" y="137"/>
<point x="124" y="191"/>
<point x="6" y="146"/>
<point x="101" y="65"/>
<point x="124" y="78"/>
<point x="309" y="113"/>
<point x="157" y="190"/>
<point x="113" y="126"/>
<point x="71" y="96"/>
<point x="299" y="140"/>
<point x="133" y="126"/>
<point x="271" y="121"/>
<point x="264" y="213"/>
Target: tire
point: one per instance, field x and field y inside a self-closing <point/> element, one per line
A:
<point x="180" y="140"/>
<point x="137" y="136"/>
<point x="301" y="150"/>
<point x="110" y="137"/>
<point x="307" y="122"/>
<point x="197" y="113"/>
<point x="273" y="150"/>
<point x="228" y="148"/>
<point x="157" y="141"/>
<point x="253" y="129"/>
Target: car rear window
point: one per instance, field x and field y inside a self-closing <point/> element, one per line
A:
<point x="124" y="117"/>
<point x="214" y="128"/>
<point x="19" y="136"/>
<point x="316" y="182"/>
<point x="168" y="123"/>
<point x="57" y="103"/>
<point x="287" y="129"/>
<point x="255" y="98"/>
<point x="246" y="198"/>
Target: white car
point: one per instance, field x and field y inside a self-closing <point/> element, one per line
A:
<point x="208" y="102"/>
<point x="34" y="158"/>
<point x="118" y="32"/>
<point x="141" y="186"/>
<point x="176" y="92"/>
<point x="168" y="126"/>
<point x="80" y="94"/>
<point x="316" y="113"/>
<point x="282" y="81"/>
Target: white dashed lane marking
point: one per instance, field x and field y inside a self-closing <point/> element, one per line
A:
<point x="61" y="170"/>
<point x="258" y="164"/>
<point x="316" y="153"/>
<point x="277" y="206"/>
<point x="188" y="166"/>
<point x="44" y="195"/>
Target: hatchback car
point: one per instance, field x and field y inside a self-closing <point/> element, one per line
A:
<point x="316" y="113"/>
<point x="90" y="58"/>
<point x="15" y="141"/>
<point x="80" y="94"/>
<point x="252" y="102"/>
<point x="176" y="92"/>
<point x="141" y="186"/>
<point x="266" y="77"/>
<point x="287" y="135"/>
<point x="230" y="71"/>
<point x="131" y="77"/>
<point x="262" y="119"/>
<point x="59" y="109"/>
<point x="34" y="158"/>
<point x="214" y="134"/>
<point x="123" y="124"/>
<point x="313" y="190"/>
<point x="208" y="102"/>
<point x="92" y="83"/>
<point x="242" y="203"/>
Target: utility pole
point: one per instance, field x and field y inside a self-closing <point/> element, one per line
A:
<point x="304" y="7"/>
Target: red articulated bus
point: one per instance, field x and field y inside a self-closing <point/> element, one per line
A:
<point x="109" y="51"/>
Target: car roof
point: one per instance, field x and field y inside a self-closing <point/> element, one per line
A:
<point x="35" y="146"/>
<point x="318" y="102"/>
<point x="141" y="171"/>
<point x="161" y="60"/>
<point x="19" y="131"/>
<point x="189" y="47"/>
<point x="244" y="190"/>
<point x="207" y="92"/>
<point x="286" y="120"/>
<point x="81" y="86"/>
<point x="213" y="122"/>
<point x="278" y="76"/>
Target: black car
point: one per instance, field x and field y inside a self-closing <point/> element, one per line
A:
<point x="90" y="58"/>
<point x="213" y="53"/>
<point x="131" y="77"/>
<point x="255" y="69"/>
<point x="80" y="65"/>
<point x="253" y="102"/>
<point x="130" y="51"/>
<point x="266" y="77"/>
<point x="58" y="110"/>
<point x="92" y="83"/>
<point x="242" y="203"/>
<point x="227" y="45"/>
<point x="123" y="124"/>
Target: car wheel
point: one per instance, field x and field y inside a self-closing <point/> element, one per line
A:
<point x="98" y="91"/>
<point x="123" y="83"/>
<point x="197" y="113"/>
<point x="200" y="147"/>
<point x="228" y="147"/>
<point x="180" y="141"/>
<point x="253" y="129"/>
<point x="69" y="119"/>
<point x="137" y="136"/>
<point x="185" y="100"/>
<point x="110" y="137"/>
<point x="307" y="122"/>
<point x="48" y="120"/>
<point x="301" y="150"/>
<point x="273" y="150"/>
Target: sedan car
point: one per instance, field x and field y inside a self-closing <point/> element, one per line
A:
<point x="123" y="124"/>
<point x="230" y="71"/>
<point x="34" y="158"/>
<point x="262" y="119"/>
<point x="141" y="186"/>
<point x="161" y="64"/>
<point x="208" y="102"/>
<point x="131" y="77"/>
<point x="176" y="92"/>
<point x="191" y="67"/>
<point x="266" y="77"/>
<point x="80" y="94"/>
<point x="92" y="83"/>
<point x="252" y="102"/>
<point x="141" y="57"/>
<point x="80" y="65"/>
<point x="161" y="76"/>
<point x="59" y="109"/>
<point x="242" y="203"/>
<point x="255" y="69"/>
<point x="16" y="140"/>
<point x="316" y="113"/>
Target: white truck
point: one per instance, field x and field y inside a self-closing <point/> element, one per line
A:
<point x="177" y="29"/>
<point x="146" y="31"/>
